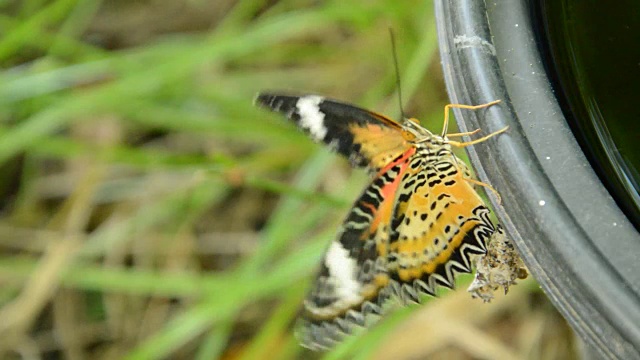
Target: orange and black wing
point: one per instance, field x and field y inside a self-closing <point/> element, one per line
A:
<point x="412" y="229"/>
<point x="364" y="137"/>
<point x="439" y="222"/>
<point x="353" y="282"/>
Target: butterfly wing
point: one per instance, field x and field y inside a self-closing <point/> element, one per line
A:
<point x="412" y="229"/>
<point x="364" y="137"/>
<point x="354" y="274"/>
<point x="439" y="221"/>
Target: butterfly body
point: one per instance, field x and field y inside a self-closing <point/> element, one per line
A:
<point x="413" y="227"/>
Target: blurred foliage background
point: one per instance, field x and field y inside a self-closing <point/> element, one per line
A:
<point x="149" y="211"/>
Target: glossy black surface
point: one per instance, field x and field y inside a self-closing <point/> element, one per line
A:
<point x="593" y="58"/>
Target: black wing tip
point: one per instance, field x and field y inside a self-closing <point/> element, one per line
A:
<point x="263" y="99"/>
<point x="276" y="101"/>
<point x="269" y="98"/>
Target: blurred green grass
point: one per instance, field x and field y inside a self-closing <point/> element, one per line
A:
<point x="148" y="209"/>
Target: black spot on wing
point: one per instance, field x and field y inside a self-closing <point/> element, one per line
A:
<point x="473" y="243"/>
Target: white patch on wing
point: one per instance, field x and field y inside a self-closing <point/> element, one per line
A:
<point x="342" y="270"/>
<point x="311" y="118"/>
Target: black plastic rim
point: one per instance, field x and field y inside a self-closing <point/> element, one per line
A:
<point x="575" y="240"/>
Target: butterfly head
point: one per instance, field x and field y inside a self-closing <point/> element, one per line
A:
<point x="413" y="132"/>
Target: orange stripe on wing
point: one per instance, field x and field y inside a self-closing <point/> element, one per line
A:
<point x="379" y="144"/>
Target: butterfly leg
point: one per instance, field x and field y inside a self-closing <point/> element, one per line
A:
<point x="468" y="133"/>
<point x="476" y="141"/>
<point x="448" y="107"/>
<point x="480" y="183"/>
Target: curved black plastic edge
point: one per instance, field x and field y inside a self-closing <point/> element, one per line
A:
<point x="574" y="239"/>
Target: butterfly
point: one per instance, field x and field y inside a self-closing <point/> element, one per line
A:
<point x="417" y="223"/>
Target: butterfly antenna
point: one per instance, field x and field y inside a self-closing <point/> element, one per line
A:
<point x="397" y="68"/>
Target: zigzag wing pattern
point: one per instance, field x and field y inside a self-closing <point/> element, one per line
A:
<point x="412" y="229"/>
<point x="421" y="230"/>
<point x="439" y="221"/>
<point x="354" y="271"/>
